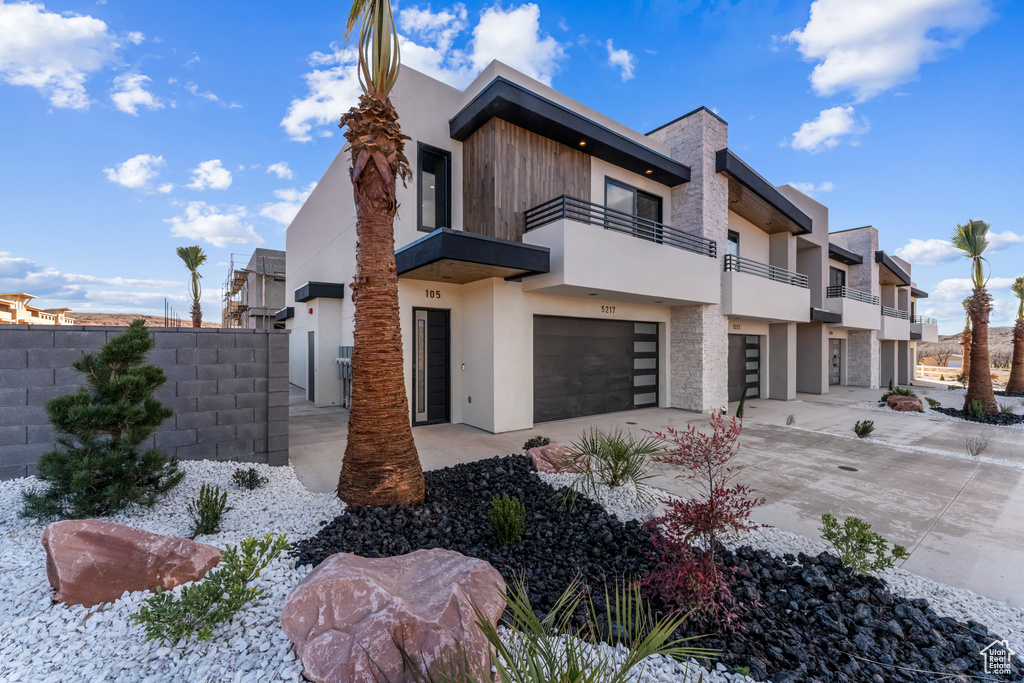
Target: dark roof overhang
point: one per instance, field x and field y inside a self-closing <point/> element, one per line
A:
<point x="918" y="293"/>
<point x="821" y="315"/>
<point x="515" y="104"/>
<point x="895" y="275"/>
<point x="459" y="257"/>
<point x="757" y="200"/>
<point x="837" y="253"/>
<point x="319" y="290"/>
<point x="285" y="314"/>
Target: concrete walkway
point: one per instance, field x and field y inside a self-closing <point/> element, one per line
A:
<point x="962" y="520"/>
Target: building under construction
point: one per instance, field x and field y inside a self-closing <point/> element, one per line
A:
<point x="252" y="294"/>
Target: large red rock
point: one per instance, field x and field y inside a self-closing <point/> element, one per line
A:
<point x="344" y="617"/>
<point x="905" y="404"/>
<point x="555" y="459"/>
<point x="89" y="561"/>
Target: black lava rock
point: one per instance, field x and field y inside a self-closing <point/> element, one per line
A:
<point x="989" y="419"/>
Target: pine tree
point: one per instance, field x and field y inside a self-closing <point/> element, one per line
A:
<point x="97" y="468"/>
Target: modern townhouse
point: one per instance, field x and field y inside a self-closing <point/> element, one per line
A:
<point x="253" y="293"/>
<point x="554" y="263"/>
<point x="15" y="309"/>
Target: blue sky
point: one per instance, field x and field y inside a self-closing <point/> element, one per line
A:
<point x="127" y="129"/>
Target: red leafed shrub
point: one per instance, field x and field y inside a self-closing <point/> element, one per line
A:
<point x="689" y="576"/>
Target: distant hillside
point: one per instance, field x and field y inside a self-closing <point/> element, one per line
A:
<point x="124" y="319"/>
<point x="1000" y="345"/>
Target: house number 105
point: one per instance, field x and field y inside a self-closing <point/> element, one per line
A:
<point x="433" y="294"/>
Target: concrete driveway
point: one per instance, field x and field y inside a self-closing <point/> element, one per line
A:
<point x="962" y="520"/>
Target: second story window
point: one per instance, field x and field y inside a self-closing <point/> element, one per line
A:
<point x="732" y="244"/>
<point x="634" y="202"/>
<point x="836" y="277"/>
<point x="434" y="184"/>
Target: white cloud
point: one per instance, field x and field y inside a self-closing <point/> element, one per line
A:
<point x="219" y="228"/>
<point x="210" y="175"/>
<point x="624" y="60"/>
<point x="281" y="170"/>
<point x="512" y="36"/>
<point x="194" y="89"/>
<point x="828" y="130"/>
<point x="291" y="200"/>
<point x="53" y="53"/>
<point x="934" y="251"/>
<point x="810" y="189"/>
<point x="870" y="46"/>
<point x="194" y="59"/>
<point x="165" y="188"/>
<point x="135" y="172"/>
<point x="136" y="37"/>
<point x="130" y="94"/>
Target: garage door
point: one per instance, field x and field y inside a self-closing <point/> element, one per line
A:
<point x="744" y="366"/>
<point x="583" y="366"/>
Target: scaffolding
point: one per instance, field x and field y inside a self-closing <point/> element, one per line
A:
<point x="249" y="291"/>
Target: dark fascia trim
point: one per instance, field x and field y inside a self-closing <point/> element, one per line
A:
<point x="837" y="253"/>
<point x="821" y="315"/>
<point x="916" y="335"/>
<point x="688" y="114"/>
<point x="515" y="104"/>
<point x="457" y="245"/>
<point x="727" y="162"/>
<point x="285" y="314"/>
<point x="886" y="260"/>
<point x="319" y="290"/>
<point x="918" y="293"/>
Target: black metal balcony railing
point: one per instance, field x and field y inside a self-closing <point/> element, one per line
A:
<point x="582" y="211"/>
<point x="839" y="292"/>
<point x="745" y="265"/>
<point x="924" y="320"/>
<point x="895" y="313"/>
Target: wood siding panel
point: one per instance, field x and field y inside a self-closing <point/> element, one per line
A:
<point x="508" y="170"/>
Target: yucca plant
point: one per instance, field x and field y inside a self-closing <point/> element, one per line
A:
<point x="194" y="257"/>
<point x="972" y="239"/>
<point x="551" y="649"/>
<point x="1015" y="385"/>
<point x="614" y="458"/>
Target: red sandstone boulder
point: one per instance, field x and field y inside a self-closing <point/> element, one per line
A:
<point x="555" y="459"/>
<point x="346" y="615"/>
<point x="89" y="561"/>
<point x="905" y="404"/>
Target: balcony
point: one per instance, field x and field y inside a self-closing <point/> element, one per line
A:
<point x="597" y="251"/>
<point x="859" y="309"/>
<point x="923" y="328"/>
<point x="895" y="324"/>
<point x="751" y="289"/>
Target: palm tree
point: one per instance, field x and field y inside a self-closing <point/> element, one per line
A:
<point x="194" y="257"/>
<point x="972" y="239"/>
<point x="1016" y="383"/>
<point x="381" y="465"/>
<point x="965" y="340"/>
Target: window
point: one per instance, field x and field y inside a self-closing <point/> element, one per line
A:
<point x="633" y="202"/>
<point x="836" y="277"/>
<point x="434" y="186"/>
<point x="732" y="245"/>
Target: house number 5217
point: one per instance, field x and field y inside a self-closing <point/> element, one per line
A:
<point x="433" y="294"/>
<point x="607" y="309"/>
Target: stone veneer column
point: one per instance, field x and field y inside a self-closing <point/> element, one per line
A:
<point x="698" y="335"/>
<point x="862" y="358"/>
<point x="863" y="352"/>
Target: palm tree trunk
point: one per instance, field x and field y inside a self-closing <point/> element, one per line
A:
<point x="381" y="465"/>
<point x="979" y="386"/>
<point x="197" y="314"/>
<point x="1016" y="383"/>
<point x="965" y="343"/>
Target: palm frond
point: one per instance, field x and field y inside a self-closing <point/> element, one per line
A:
<point x="1018" y="288"/>
<point x="379" y="55"/>
<point x="972" y="239"/>
<point x="193" y="257"/>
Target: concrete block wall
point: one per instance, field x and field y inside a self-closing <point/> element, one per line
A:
<point x="228" y="389"/>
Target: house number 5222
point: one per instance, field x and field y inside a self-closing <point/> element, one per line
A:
<point x="433" y="294"/>
<point x="607" y="309"/>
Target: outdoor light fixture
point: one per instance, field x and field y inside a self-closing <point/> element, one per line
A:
<point x="593" y="294"/>
<point x="583" y="143"/>
<point x="648" y="171"/>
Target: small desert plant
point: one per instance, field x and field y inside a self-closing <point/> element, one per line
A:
<point x="942" y="378"/>
<point x="933" y="403"/>
<point x="896" y="391"/>
<point x="791" y="419"/>
<point x="962" y="378"/>
<point x="742" y="405"/>
<point x="215" y="599"/>
<point x="976" y="445"/>
<point x="855" y="541"/>
<point x="613" y="459"/>
<point x="1006" y="407"/>
<point x="248" y="478"/>
<point x="536" y="442"/>
<point x="742" y="670"/>
<point x="976" y="410"/>
<point x="863" y="428"/>
<point x="953" y="387"/>
<point x="100" y="465"/>
<point x="207" y="509"/>
<point x="553" y="648"/>
<point x="508" y="518"/>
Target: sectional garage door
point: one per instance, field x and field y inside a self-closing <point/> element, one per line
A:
<point x="584" y="366"/>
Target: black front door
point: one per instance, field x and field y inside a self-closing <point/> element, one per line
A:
<point x="431" y="363"/>
<point x="835" y="375"/>
<point x="744" y="366"/>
